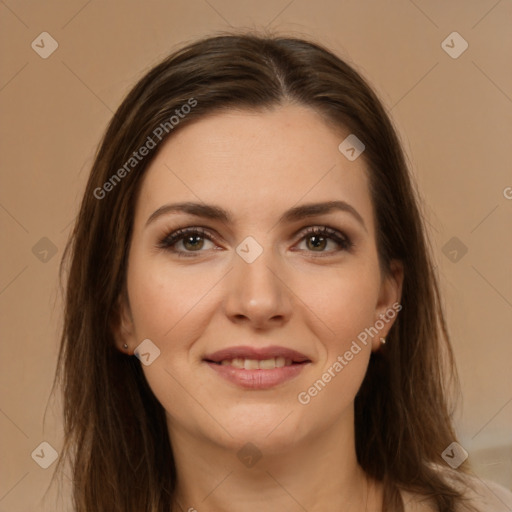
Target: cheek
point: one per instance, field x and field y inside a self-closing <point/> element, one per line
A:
<point x="168" y="306"/>
<point x="346" y="305"/>
<point x="345" y="301"/>
<point x="162" y="297"/>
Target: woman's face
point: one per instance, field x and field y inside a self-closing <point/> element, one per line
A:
<point x="247" y="290"/>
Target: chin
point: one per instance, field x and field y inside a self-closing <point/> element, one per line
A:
<point x="267" y="427"/>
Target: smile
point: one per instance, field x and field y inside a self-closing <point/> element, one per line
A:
<point x="257" y="368"/>
<point x="254" y="364"/>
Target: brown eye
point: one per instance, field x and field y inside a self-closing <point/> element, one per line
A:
<point x="316" y="242"/>
<point x="193" y="242"/>
<point x="318" y="238"/>
<point x="191" y="239"/>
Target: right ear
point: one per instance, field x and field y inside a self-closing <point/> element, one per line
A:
<point x="122" y="326"/>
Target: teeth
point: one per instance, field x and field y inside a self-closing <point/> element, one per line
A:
<point x="237" y="363"/>
<point x="253" y="364"/>
<point x="266" y="364"/>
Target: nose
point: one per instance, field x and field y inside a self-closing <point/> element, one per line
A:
<point x="257" y="293"/>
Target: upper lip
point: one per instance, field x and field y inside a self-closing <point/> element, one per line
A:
<point x="259" y="354"/>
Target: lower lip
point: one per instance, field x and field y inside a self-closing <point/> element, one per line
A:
<point x="257" y="379"/>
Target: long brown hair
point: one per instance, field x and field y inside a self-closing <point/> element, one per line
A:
<point x="115" y="429"/>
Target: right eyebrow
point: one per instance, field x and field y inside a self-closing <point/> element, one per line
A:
<point x="197" y="209"/>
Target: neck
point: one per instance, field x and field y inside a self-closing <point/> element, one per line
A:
<point x="319" y="473"/>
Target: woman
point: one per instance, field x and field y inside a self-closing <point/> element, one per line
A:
<point x="250" y="234"/>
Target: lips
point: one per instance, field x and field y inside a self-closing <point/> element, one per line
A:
<point x="257" y="354"/>
<point x="257" y="368"/>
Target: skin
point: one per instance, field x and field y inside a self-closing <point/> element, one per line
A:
<point x="314" y="300"/>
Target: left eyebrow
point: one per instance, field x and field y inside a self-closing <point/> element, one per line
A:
<point x="313" y="209"/>
<point x="292" y="215"/>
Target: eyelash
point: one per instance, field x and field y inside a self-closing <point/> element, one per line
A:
<point x="171" y="239"/>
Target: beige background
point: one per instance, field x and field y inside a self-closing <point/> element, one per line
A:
<point x="454" y="116"/>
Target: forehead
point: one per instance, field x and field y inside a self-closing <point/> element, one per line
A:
<point x="256" y="164"/>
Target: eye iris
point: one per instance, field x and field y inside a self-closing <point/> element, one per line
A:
<point x="190" y="238"/>
<point x="317" y="240"/>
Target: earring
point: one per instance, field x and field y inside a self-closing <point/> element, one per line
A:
<point x="383" y="340"/>
<point x="125" y="345"/>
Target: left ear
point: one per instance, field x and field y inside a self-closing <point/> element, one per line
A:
<point x="388" y="303"/>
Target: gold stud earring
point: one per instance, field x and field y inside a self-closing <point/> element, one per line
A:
<point x="125" y="345"/>
<point x="383" y="340"/>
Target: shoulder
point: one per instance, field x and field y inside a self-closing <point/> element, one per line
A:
<point x="479" y="495"/>
<point x="486" y="496"/>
